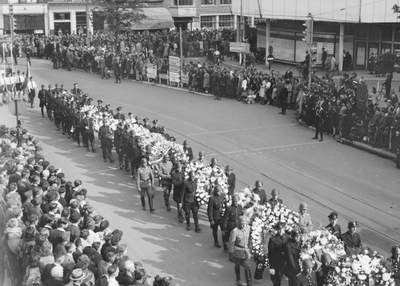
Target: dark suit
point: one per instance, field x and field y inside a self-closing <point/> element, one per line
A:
<point x="276" y="255"/>
<point x="230" y="219"/>
<point x="42" y="100"/>
<point x="335" y="230"/>
<point x="216" y="204"/>
<point x="189" y="152"/>
<point x="231" y="183"/>
<point x="352" y="242"/>
<point x="189" y="201"/>
<point x="262" y="194"/>
<point x="273" y="202"/>
<point x="303" y="280"/>
<point x="292" y="255"/>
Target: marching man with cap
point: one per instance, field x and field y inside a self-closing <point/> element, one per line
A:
<point x="276" y="253"/>
<point x="351" y="239"/>
<point x="119" y="116"/>
<point x="188" y="201"/>
<point x="292" y="255"/>
<point x="307" y="277"/>
<point x="216" y="204"/>
<point x="260" y="192"/>
<point x="105" y="134"/>
<point x="202" y="159"/>
<point x="274" y="200"/>
<point x="394" y="261"/>
<point x="231" y="179"/>
<point x="333" y="227"/>
<point x="231" y="218"/>
<point x="239" y="250"/>
<point x="188" y="150"/>
<point x="305" y="223"/>
<point x="145" y="184"/>
<point x="325" y="269"/>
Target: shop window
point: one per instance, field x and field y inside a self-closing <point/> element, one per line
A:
<point x="182" y="2"/>
<point x="207" y="2"/>
<point x="225" y="2"/>
<point x="226" y="21"/>
<point x="62" y="16"/>
<point x="208" y="21"/>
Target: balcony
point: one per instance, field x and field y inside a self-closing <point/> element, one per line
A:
<point x="183" y="11"/>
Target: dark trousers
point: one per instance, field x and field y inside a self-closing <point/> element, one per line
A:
<point x="88" y="138"/>
<point x="167" y="188"/>
<point x="32" y="95"/>
<point x="55" y="65"/>
<point x="319" y="129"/>
<point x="191" y="208"/>
<point x="48" y="110"/>
<point x="42" y="105"/>
<point x="276" y="279"/>
<point x="78" y="132"/>
<point x="57" y="119"/>
<point x="217" y="224"/>
<point x="283" y="105"/>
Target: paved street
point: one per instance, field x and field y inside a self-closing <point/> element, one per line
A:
<point x="255" y="140"/>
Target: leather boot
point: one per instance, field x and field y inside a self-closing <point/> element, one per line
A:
<point x="151" y="203"/>
<point x="187" y="222"/>
<point x="196" y="224"/>
<point x="93" y="150"/>
<point x="166" y="200"/>
<point x="143" y="203"/>
<point x="237" y="273"/>
<point x="180" y="217"/>
<point x="247" y="272"/>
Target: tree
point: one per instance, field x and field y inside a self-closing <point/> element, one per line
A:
<point x="396" y="9"/>
<point x="119" y="15"/>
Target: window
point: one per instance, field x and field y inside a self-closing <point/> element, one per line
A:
<point x="225" y="2"/>
<point x="226" y="21"/>
<point x="207" y="2"/>
<point x="183" y="2"/>
<point x="208" y="21"/>
<point x="62" y="16"/>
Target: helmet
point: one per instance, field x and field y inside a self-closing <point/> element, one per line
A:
<point x="303" y="206"/>
<point x="395" y="250"/>
<point x="307" y="264"/>
<point x="325" y="257"/>
<point x="274" y="192"/>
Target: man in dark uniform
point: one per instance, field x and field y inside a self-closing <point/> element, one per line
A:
<point x="119" y="116"/>
<point x="131" y="153"/>
<point x="99" y="106"/>
<point x="292" y="256"/>
<point x="88" y="132"/>
<point x="231" y="179"/>
<point x="42" y="99"/>
<point x="70" y="118"/>
<point x="351" y="239"/>
<point x="216" y="205"/>
<point x="57" y="109"/>
<point x="274" y="200"/>
<point x="155" y="128"/>
<point x="307" y="277"/>
<point x="276" y="253"/>
<point x="118" y="134"/>
<point x="76" y="90"/>
<point x="164" y="173"/>
<point x="64" y="118"/>
<point x="333" y="227"/>
<point x="146" y="123"/>
<point x="78" y="126"/>
<point x="260" y="192"/>
<point x="188" y="150"/>
<point x="105" y="134"/>
<point x="319" y="120"/>
<point x="188" y="201"/>
<point x="325" y="269"/>
<point x="230" y="219"/>
<point x="49" y="102"/>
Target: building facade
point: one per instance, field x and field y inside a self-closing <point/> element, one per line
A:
<point x="201" y="14"/>
<point x="360" y="27"/>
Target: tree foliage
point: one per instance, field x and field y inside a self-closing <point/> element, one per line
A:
<point x="119" y="15"/>
<point x="396" y="9"/>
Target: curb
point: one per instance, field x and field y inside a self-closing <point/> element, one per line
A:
<point x="361" y="146"/>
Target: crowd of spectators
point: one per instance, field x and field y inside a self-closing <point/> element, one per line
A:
<point x="51" y="234"/>
<point x="373" y="119"/>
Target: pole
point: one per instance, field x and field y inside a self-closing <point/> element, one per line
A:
<point x="16" y="115"/>
<point x="240" y="30"/>
<point x="309" y="50"/>
<point x="87" y="24"/>
<point x="181" y="51"/>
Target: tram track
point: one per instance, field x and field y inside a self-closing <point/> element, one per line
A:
<point x="310" y="198"/>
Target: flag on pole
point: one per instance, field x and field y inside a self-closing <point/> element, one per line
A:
<point x="378" y="85"/>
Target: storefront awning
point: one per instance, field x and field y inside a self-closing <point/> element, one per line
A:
<point x="157" y="18"/>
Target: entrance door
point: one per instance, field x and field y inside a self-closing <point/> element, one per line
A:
<point x="361" y="56"/>
<point x="64" y="27"/>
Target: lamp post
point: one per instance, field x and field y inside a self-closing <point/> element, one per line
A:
<point x="87" y="23"/>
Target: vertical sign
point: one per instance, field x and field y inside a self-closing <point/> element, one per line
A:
<point x="174" y="69"/>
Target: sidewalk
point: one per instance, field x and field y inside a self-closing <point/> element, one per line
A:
<point x="281" y="68"/>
